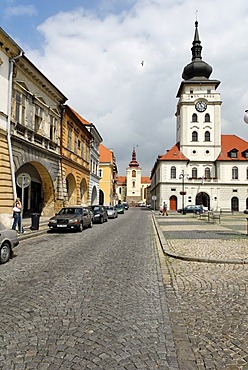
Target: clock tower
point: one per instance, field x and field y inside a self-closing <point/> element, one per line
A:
<point x="198" y="109"/>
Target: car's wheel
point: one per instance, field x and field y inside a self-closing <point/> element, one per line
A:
<point x="90" y="224"/>
<point x="5" y="252"/>
<point x="80" y="227"/>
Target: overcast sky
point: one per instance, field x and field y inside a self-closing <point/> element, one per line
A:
<point x="92" y="51"/>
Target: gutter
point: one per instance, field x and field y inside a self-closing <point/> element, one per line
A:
<point x="11" y="62"/>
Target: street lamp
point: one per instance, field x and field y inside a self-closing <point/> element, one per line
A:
<point x="183" y="192"/>
<point x="246" y="116"/>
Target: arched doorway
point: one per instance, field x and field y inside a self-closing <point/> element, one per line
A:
<point x="71" y="189"/>
<point x="101" y="197"/>
<point x="94" y="196"/>
<point x="39" y="195"/>
<point x="83" y="192"/>
<point x="235" y="204"/>
<point x="204" y="199"/>
<point x="173" y="203"/>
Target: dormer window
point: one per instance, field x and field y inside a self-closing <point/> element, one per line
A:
<point x="233" y="153"/>
<point x="245" y="154"/>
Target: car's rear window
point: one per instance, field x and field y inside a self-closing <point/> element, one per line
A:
<point x="70" y="211"/>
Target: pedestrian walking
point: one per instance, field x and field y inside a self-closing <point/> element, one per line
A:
<point x="165" y="209"/>
<point x="17" y="215"/>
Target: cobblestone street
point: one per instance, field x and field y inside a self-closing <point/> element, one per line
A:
<point x="109" y="298"/>
<point x="208" y="302"/>
<point x="90" y="300"/>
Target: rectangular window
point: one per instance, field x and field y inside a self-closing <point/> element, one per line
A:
<point x="69" y="138"/>
<point x="20" y="108"/>
<point x="52" y="128"/>
<point x="82" y="150"/>
<point x="38" y="117"/>
<point x="75" y="142"/>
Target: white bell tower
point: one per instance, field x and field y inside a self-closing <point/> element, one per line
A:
<point x="198" y="109"/>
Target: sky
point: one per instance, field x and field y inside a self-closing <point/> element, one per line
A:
<point x="92" y="51"/>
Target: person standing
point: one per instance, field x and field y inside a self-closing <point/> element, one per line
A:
<point x="17" y="209"/>
<point x="165" y="209"/>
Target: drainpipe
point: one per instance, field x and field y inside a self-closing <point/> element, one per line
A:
<point x="12" y="61"/>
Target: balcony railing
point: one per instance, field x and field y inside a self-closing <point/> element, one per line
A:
<point x="203" y="179"/>
<point x="27" y="134"/>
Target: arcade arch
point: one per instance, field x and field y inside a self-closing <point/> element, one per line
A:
<point x="203" y="198"/>
<point x="94" y="195"/>
<point x="83" y="192"/>
<point x="39" y="196"/>
<point x="71" y="189"/>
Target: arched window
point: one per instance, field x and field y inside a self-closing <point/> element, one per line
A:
<point x="207" y="173"/>
<point x="194" y="136"/>
<point x="207" y="136"/>
<point x="235" y="204"/>
<point x="133" y="173"/>
<point x="194" y="117"/>
<point x="133" y="184"/>
<point x="235" y="173"/>
<point x="173" y="172"/>
<point x="194" y="173"/>
<point x="207" y="117"/>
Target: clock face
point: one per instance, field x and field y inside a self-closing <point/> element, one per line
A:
<point x="201" y="106"/>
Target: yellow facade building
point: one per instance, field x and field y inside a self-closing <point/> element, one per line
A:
<point x="75" y="158"/>
<point x="108" y="176"/>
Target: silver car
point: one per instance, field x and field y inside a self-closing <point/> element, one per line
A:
<point x="8" y="241"/>
<point x="112" y="212"/>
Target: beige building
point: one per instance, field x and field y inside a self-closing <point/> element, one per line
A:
<point x="132" y="188"/>
<point x="31" y="126"/>
<point x="108" y="176"/>
<point x="203" y="166"/>
<point x="75" y="158"/>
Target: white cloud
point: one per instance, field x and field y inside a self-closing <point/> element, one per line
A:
<point x="96" y="63"/>
<point x="20" y="10"/>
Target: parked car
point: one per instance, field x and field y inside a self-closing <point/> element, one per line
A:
<point x="71" y="218"/>
<point x="100" y="214"/>
<point x="126" y="206"/>
<point x="191" y="209"/>
<point x="8" y="241"/>
<point x="246" y="211"/>
<point x="120" y="208"/>
<point x="112" y="212"/>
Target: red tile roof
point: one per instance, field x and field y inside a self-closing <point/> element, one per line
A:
<point x="122" y="180"/>
<point x="230" y="142"/>
<point x="81" y="119"/>
<point x="106" y="155"/>
<point x="145" y="180"/>
<point x="173" y="154"/>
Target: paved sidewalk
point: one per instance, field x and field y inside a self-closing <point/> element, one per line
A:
<point x="28" y="233"/>
<point x="190" y="238"/>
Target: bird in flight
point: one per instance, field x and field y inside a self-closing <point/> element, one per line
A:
<point x="142" y="63"/>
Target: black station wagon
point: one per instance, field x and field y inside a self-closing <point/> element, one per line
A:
<point x="71" y="218"/>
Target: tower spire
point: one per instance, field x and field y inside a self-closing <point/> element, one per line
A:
<point x="134" y="162"/>
<point x="197" y="69"/>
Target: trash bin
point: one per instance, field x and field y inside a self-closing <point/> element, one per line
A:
<point x="35" y="221"/>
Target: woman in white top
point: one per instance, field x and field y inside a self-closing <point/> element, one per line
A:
<point x="17" y="208"/>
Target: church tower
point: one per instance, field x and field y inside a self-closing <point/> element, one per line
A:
<point x="198" y="109"/>
<point x="133" y="173"/>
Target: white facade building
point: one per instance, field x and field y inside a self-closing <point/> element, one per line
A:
<point x="203" y="167"/>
